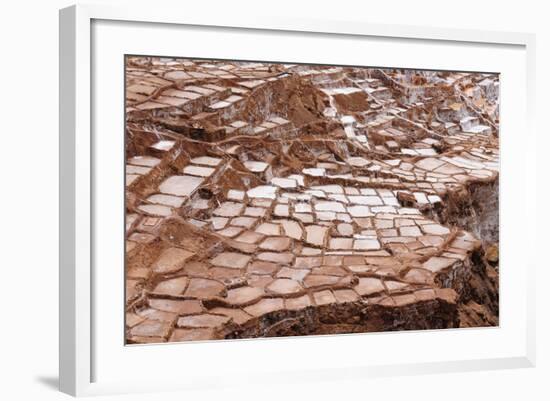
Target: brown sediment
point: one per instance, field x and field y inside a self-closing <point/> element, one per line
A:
<point x="276" y="200"/>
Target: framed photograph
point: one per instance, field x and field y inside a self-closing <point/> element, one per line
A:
<point x="342" y="200"/>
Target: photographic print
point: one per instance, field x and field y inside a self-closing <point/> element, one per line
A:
<point x="268" y="199"/>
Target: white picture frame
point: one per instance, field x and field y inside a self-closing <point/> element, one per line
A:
<point x="83" y="353"/>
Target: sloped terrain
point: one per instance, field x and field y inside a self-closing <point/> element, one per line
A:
<point x="277" y="199"/>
